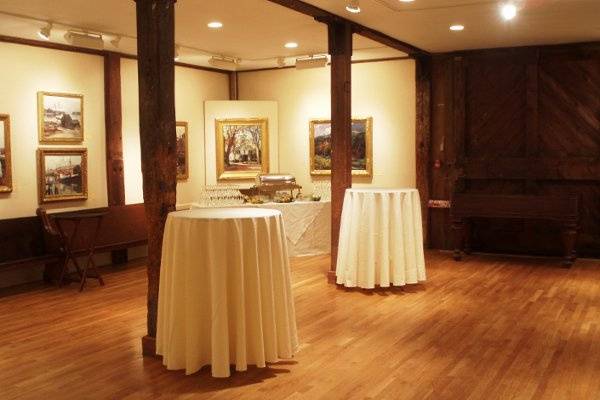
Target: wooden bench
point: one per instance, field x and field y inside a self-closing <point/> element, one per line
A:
<point x="562" y="210"/>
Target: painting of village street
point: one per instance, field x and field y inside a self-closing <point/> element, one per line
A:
<point x="242" y="148"/>
<point x="362" y="147"/>
<point x="5" y="171"/>
<point x="61" y="117"/>
<point x="181" y="130"/>
<point x="63" y="174"/>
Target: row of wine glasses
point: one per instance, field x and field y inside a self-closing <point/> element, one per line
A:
<point x="322" y="188"/>
<point x="220" y="196"/>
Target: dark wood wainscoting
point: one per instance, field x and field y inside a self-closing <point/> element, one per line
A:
<point x="517" y="121"/>
<point x="22" y="240"/>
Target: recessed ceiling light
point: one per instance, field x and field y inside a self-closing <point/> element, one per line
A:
<point x="353" y="6"/>
<point x="290" y="45"/>
<point x="215" y="25"/>
<point x="508" y="11"/>
<point x="44" y="33"/>
<point x="407" y="1"/>
<point x="457" y="28"/>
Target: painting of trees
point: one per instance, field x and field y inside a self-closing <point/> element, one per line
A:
<point x="242" y="146"/>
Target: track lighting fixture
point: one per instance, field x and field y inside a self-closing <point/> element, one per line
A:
<point x="224" y="62"/>
<point x="116" y="41"/>
<point x="353" y="6"/>
<point x="176" y="58"/>
<point x="44" y="32"/>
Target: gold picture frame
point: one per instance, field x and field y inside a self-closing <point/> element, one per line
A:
<point x="61" y="180"/>
<point x="247" y="162"/>
<point x="318" y="163"/>
<point x="182" y="151"/>
<point x="5" y="155"/>
<point x="65" y="123"/>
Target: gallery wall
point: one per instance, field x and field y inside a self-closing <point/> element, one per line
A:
<point x="25" y="71"/>
<point x="382" y="90"/>
<point x="192" y="88"/>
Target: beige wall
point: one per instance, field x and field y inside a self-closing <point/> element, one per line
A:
<point x="382" y="90"/>
<point x="25" y="70"/>
<point x="192" y="88"/>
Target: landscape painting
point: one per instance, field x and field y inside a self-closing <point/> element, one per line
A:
<point x="362" y="147"/>
<point x="242" y="148"/>
<point x="182" y="150"/>
<point x="60" y="117"/>
<point x="5" y="167"/>
<point x="62" y="174"/>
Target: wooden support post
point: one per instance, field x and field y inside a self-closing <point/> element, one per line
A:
<point x="156" y="75"/>
<point x="115" y="180"/>
<point x="423" y="132"/>
<point x="234" y="92"/>
<point x="340" y="49"/>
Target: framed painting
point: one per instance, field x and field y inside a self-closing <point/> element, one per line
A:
<point x="362" y="147"/>
<point x="181" y="128"/>
<point x="242" y="148"/>
<point x="5" y="165"/>
<point x="60" y="118"/>
<point x="62" y="174"/>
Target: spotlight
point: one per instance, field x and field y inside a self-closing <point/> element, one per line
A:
<point x="176" y="58"/>
<point x="224" y="62"/>
<point x="353" y="6"/>
<point x="44" y="33"/>
<point x="319" y="61"/>
<point x="508" y="11"/>
<point x="280" y="62"/>
<point x="116" y="41"/>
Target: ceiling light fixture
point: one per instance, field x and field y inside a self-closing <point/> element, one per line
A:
<point x="290" y="45"/>
<point x="319" y="61"/>
<point x="44" y="32"/>
<point x="116" y="41"/>
<point x="85" y="39"/>
<point x="215" y="25"/>
<point x="176" y="58"/>
<point x="508" y="11"/>
<point x="457" y="28"/>
<point x="224" y="62"/>
<point x="280" y="62"/>
<point x="407" y="1"/>
<point x="353" y="6"/>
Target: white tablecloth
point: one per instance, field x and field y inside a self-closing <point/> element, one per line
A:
<point x="381" y="239"/>
<point x="307" y="225"/>
<point x="225" y="291"/>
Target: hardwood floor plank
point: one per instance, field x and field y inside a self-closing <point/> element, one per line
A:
<point x="485" y="328"/>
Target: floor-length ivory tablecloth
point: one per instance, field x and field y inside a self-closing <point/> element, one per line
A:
<point x="381" y="239"/>
<point x="225" y="291"/>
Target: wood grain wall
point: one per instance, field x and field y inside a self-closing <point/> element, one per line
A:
<point x="516" y="121"/>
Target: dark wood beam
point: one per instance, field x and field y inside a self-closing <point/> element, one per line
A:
<point x="233" y="86"/>
<point x="340" y="49"/>
<point x="115" y="179"/>
<point x="423" y="136"/>
<point x="325" y="16"/>
<point x="156" y="75"/>
<point x="115" y="182"/>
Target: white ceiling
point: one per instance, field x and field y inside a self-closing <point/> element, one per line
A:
<point x="255" y="30"/>
<point x="425" y="23"/>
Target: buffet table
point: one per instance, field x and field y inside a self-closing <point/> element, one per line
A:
<point x="225" y="291"/>
<point x="381" y="239"/>
<point x="307" y="225"/>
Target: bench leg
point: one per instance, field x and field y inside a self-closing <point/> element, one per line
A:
<point x="569" y="238"/>
<point x="458" y="226"/>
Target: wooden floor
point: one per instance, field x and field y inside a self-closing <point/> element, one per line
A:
<point x="486" y="328"/>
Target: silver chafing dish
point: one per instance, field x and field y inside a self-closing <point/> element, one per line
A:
<point x="267" y="185"/>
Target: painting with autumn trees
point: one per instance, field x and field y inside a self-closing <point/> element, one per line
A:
<point x="362" y="147"/>
<point x="242" y="148"/>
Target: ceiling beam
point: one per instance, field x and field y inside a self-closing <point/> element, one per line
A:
<point x="325" y="16"/>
